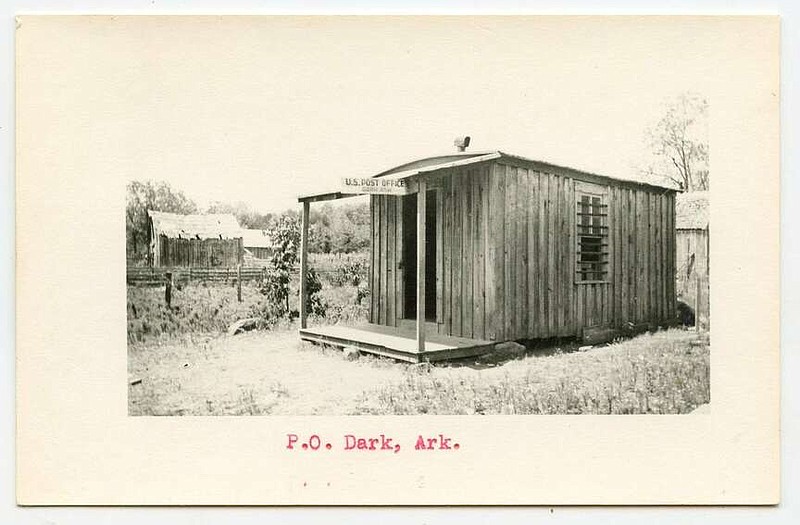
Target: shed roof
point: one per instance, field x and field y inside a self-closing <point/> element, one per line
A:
<point x="691" y="211"/>
<point x="438" y="162"/>
<point x="256" y="238"/>
<point x="209" y="226"/>
<point x="427" y="165"/>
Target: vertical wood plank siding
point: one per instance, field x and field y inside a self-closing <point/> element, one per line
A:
<point x="692" y="271"/>
<point x="482" y="227"/>
<point x="374" y="288"/>
<point x="447" y="257"/>
<point x="198" y="253"/>
<point x="506" y="256"/>
<point x="467" y="255"/>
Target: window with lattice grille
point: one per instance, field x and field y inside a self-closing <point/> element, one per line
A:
<point x="592" y="235"/>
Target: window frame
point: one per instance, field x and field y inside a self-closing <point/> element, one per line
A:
<point x="593" y="191"/>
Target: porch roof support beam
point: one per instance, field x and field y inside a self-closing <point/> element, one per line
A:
<point x="421" y="194"/>
<point x="304" y="264"/>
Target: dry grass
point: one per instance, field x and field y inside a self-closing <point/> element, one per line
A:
<point x="662" y="373"/>
<point x="257" y="373"/>
<point x="262" y="373"/>
<point x="196" y="309"/>
<point x="200" y="309"/>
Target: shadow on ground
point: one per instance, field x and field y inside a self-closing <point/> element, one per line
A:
<point x="533" y="348"/>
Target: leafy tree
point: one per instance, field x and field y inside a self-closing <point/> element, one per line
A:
<point x="319" y="238"/>
<point x="285" y="235"/>
<point x="679" y="144"/>
<point x="247" y="217"/>
<point x="150" y="195"/>
<point x="339" y="229"/>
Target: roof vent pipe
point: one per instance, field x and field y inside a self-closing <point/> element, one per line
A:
<point x="462" y="143"/>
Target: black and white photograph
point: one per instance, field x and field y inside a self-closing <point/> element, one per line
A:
<point x="467" y="246"/>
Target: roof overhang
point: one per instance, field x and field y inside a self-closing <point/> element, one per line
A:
<point x="326" y="196"/>
<point x="406" y="174"/>
<point x="428" y="166"/>
<point x="413" y="172"/>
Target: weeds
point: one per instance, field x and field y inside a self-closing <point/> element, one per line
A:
<point x="199" y="309"/>
<point x="652" y="374"/>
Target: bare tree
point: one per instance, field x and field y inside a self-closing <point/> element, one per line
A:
<point x="679" y="144"/>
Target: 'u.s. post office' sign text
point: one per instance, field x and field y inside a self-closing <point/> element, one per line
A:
<point x="375" y="186"/>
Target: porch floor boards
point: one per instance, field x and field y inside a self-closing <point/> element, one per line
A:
<point x="397" y="343"/>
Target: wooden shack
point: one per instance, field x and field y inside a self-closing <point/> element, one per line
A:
<point x="491" y="247"/>
<point x="257" y="243"/>
<point x="209" y="241"/>
<point x="691" y="254"/>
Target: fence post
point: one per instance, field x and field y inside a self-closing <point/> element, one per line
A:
<point x="239" y="282"/>
<point x="168" y="290"/>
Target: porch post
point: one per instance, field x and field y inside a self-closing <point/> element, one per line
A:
<point x="421" y="265"/>
<point x="303" y="264"/>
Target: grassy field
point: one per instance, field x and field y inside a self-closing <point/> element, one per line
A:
<point x="662" y="373"/>
<point x="272" y="372"/>
<point x="200" y="309"/>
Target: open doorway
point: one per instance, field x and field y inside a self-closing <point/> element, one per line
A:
<point x="410" y="256"/>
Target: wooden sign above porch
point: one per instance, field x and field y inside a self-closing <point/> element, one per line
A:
<point x="379" y="186"/>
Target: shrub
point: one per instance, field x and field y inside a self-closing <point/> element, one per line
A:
<point x="351" y="270"/>
<point x="315" y="304"/>
<point x="196" y="309"/>
<point x="275" y="288"/>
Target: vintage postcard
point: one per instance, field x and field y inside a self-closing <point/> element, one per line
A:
<point x="397" y="260"/>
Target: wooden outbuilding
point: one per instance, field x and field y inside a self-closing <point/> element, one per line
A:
<point x="492" y="247"/>
<point x="692" y="275"/>
<point x="257" y="243"/>
<point x="208" y="241"/>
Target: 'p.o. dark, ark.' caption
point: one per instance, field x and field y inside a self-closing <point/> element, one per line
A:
<point x="379" y="443"/>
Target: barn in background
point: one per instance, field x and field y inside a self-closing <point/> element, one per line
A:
<point x="692" y="248"/>
<point x="491" y="247"/>
<point x="208" y="241"/>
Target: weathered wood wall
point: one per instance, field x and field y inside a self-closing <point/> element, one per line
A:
<point x="506" y="256"/>
<point x="692" y="272"/>
<point x="197" y="252"/>
<point x="386" y="278"/>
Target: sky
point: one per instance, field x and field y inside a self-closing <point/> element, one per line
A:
<point x="259" y="111"/>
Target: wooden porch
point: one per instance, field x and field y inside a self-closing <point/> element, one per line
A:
<point x="413" y="346"/>
<point x="396" y="343"/>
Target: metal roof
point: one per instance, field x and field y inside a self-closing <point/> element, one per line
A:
<point x="432" y="164"/>
<point x="691" y="211"/>
<point x="209" y="226"/>
<point x="256" y="238"/>
<point x="437" y="162"/>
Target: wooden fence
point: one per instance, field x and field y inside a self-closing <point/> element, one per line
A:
<point x="147" y="276"/>
<point x="157" y="276"/>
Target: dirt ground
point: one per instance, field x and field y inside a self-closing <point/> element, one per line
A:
<point x="262" y="373"/>
<point x="252" y="373"/>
